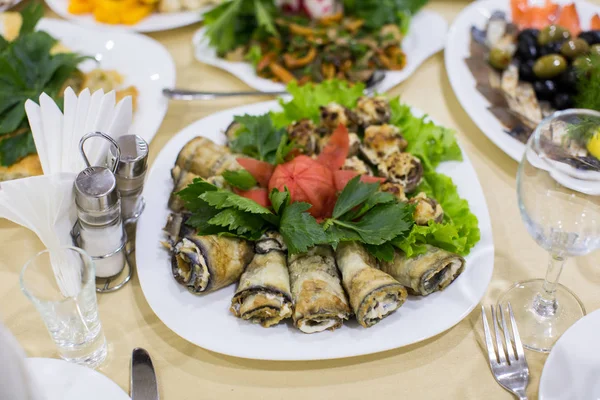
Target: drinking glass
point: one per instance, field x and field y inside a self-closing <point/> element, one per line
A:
<point x="61" y="284"/>
<point x="558" y="185"/>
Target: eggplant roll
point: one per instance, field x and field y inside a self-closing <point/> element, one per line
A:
<point x="320" y="302"/>
<point x="208" y="263"/>
<point x="426" y="273"/>
<point x="263" y="295"/>
<point x="201" y="156"/>
<point x="373" y="294"/>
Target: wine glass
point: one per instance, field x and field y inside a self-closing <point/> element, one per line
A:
<point x="558" y="189"/>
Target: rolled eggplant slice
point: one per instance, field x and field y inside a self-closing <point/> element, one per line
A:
<point x="373" y="294"/>
<point x="201" y="156"/>
<point x="320" y="301"/>
<point x="426" y="273"/>
<point x="263" y="295"/>
<point x="181" y="179"/>
<point x="207" y="263"/>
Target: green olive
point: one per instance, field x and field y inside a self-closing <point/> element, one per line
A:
<point x="549" y="66"/>
<point x="574" y="47"/>
<point x="595" y="50"/>
<point x="553" y="33"/>
<point x="582" y="63"/>
<point x="500" y="58"/>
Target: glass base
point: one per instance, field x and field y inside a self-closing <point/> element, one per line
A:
<point x="92" y="360"/>
<point x="541" y="323"/>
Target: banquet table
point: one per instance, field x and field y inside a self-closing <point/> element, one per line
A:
<point x="451" y="365"/>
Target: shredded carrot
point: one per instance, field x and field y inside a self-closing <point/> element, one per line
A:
<point x="293" y="62"/>
<point x="332" y="19"/>
<point x="280" y="72"/>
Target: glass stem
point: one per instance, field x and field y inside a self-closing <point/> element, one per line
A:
<point x="545" y="302"/>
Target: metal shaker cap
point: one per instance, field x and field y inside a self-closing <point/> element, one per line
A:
<point x="96" y="189"/>
<point x="134" y="157"/>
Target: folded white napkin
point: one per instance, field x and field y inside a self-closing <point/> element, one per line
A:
<point x="15" y="381"/>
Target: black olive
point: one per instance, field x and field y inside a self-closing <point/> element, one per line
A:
<point x="567" y="81"/>
<point x="591" y="37"/>
<point x="562" y="101"/>
<point x="527" y="34"/>
<point x="550" y="48"/>
<point x="544" y="90"/>
<point x="527" y="50"/>
<point x="526" y="71"/>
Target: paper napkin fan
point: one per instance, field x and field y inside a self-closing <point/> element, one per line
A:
<point x="57" y="134"/>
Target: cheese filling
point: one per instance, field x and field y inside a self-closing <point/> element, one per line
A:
<point x="191" y="266"/>
<point x="312" y="326"/>
<point x="383" y="304"/>
<point x="436" y="279"/>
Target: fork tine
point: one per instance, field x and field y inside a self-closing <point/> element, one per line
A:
<point x="517" y="338"/>
<point x="507" y="337"/>
<point x="488" y="338"/>
<point x="501" y="353"/>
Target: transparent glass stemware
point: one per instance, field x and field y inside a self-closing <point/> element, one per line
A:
<point x="61" y="284"/>
<point x="558" y="189"/>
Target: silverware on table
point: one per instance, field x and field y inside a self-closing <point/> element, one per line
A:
<point x="507" y="361"/>
<point x="143" y="378"/>
<point x="181" y="94"/>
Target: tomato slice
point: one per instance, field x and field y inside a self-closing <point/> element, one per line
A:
<point x="261" y="196"/>
<point x="569" y="19"/>
<point x="307" y="181"/>
<point x="260" y="170"/>
<point x="541" y="17"/>
<point x="595" y="24"/>
<point x="335" y="153"/>
<point x="342" y="177"/>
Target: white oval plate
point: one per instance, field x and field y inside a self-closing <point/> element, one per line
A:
<point x="572" y="370"/>
<point x="425" y="37"/>
<point x="206" y="321"/>
<point x="143" y="62"/>
<point x="153" y="23"/>
<point x="463" y="82"/>
<point x="61" y="380"/>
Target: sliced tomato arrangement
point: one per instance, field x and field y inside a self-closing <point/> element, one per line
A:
<point x="539" y="17"/>
<point x="314" y="181"/>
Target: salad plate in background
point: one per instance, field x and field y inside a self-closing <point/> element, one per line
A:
<point x="204" y="319"/>
<point x="508" y="121"/>
<point x="145" y="16"/>
<point x="343" y="45"/>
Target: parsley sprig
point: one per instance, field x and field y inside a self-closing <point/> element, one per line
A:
<point x="260" y="139"/>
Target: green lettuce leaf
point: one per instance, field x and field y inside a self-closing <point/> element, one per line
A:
<point x="433" y="144"/>
<point x="308" y="98"/>
<point x="377" y="13"/>
<point x="459" y="231"/>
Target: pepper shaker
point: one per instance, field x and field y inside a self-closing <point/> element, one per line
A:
<point x="130" y="173"/>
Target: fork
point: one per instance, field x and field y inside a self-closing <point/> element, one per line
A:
<point x="507" y="361"/>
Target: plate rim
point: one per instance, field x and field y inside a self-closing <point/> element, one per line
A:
<point x="488" y="250"/>
<point x="167" y="61"/>
<point x="187" y="18"/>
<point x="31" y="362"/>
<point x="594" y="315"/>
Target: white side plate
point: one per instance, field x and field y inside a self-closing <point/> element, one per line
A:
<point x="153" y="23"/>
<point x="463" y="82"/>
<point x="206" y="321"/>
<point x="61" y="380"/>
<point x="572" y="370"/>
<point x="425" y="37"/>
<point x="143" y="62"/>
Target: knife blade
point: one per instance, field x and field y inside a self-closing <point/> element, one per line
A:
<point x="143" y="378"/>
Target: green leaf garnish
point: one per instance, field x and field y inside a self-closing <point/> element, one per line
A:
<point x="355" y="193"/>
<point x="299" y="229"/>
<point x="240" y="179"/>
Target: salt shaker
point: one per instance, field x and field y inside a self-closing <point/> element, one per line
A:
<point x="100" y="227"/>
<point x="130" y="173"/>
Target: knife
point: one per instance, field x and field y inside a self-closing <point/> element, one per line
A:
<point x="143" y="378"/>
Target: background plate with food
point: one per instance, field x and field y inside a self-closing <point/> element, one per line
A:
<point x="276" y="47"/>
<point x="414" y="155"/>
<point x="120" y="61"/>
<point x="134" y="15"/>
<point x="528" y="71"/>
